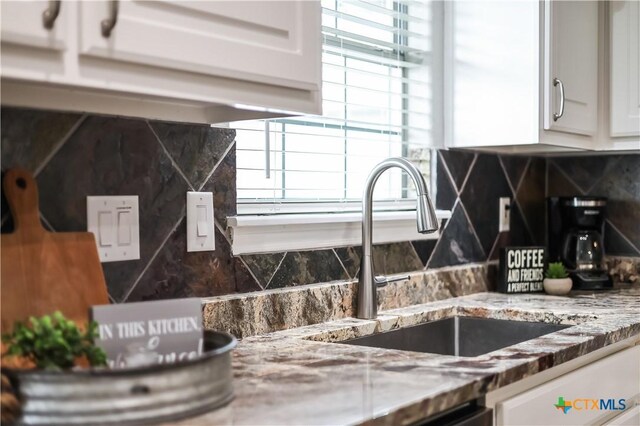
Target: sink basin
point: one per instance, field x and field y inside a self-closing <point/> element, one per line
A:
<point x="459" y="336"/>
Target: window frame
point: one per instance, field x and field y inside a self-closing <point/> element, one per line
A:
<point x="263" y="227"/>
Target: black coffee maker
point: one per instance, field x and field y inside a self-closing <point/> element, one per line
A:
<point x="575" y="236"/>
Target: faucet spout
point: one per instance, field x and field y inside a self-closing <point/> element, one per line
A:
<point x="426" y="223"/>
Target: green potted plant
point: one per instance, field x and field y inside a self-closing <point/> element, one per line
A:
<point x="52" y="342"/>
<point x="557" y="280"/>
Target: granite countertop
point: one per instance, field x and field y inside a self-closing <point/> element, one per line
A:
<point x="297" y="376"/>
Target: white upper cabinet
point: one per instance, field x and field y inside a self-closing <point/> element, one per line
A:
<point x="263" y="41"/>
<point x="532" y="76"/>
<point x="625" y="68"/>
<point x="191" y="61"/>
<point x="491" y="63"/>
<point x="34" y="23"/>
<point x="571" y="66"/>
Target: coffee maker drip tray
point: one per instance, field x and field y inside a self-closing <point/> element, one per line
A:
<point x="591" y="280"/>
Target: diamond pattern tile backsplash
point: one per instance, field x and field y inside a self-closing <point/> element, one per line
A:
<point x="75" y="155"/>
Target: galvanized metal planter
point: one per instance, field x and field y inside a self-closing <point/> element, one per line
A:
<point x="141" y="395"/>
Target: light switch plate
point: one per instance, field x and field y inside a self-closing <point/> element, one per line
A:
<point x="505" y="214"/>
<point x="200" y="228"/>
<point x="115" y="223"/>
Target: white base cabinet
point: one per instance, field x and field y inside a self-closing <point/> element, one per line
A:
<point x="177" y="60"/>
<point x="630" y="417"/>
<point x="613" y="378"/>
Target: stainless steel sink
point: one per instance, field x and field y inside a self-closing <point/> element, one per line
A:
<point x="460" y="336"/>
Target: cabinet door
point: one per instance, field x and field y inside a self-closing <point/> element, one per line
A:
<point x="571" y="62"/>
<point x="491" y="75"/>
<point x="22" y="23"/>
<point x="625" y="68"/>
<point x="272" y="42"/>
<point x="612" y="378"/>
<point x="630" y="417"/>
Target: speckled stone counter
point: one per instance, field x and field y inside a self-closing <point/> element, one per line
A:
<point x="297" y="376"/>
<point x="250" y="314"/>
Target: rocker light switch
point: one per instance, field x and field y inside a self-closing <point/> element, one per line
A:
<point x="200" y="227"/>
<point x="114" y="222"/>
<point x="105" y="229"/>
<point x="124" y="228"/>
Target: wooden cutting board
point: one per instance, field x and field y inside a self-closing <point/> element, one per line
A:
<point x="45" y="271"/>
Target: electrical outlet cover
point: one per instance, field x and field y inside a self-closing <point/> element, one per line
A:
<point x="114" y="221"/>
<point x="201" y="230"/>
<point x="505" y="214"/>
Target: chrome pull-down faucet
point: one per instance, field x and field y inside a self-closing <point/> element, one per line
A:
<point x="427" y="223"/>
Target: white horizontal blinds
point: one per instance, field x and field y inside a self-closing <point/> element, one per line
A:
<point x="376" y="104"/>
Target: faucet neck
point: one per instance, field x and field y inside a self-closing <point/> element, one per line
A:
<point x="367" y="197"/>
<point x="427" y="222"/>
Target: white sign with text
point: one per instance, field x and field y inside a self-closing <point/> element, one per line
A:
<point x="160" y="332"/>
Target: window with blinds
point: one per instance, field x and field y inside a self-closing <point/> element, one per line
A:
<point x="377" y="103"/>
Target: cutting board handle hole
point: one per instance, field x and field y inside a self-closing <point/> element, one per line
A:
<point x="21" y="183"/>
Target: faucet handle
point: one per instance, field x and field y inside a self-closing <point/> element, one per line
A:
<point x="382" y="281"/>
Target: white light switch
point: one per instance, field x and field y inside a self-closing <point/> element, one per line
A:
<point x="200" y="227"/>
<point x="124" y="228"/>
<point x="115" y="223"/>
<point x="105" y="229"/>
<point x="201" y="223"/>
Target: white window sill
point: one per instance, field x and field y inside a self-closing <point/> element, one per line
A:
<point x="284" y="232"/>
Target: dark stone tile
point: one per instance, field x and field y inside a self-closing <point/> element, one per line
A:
<point x="502" y="240"/>
<point x="114" y="156"/>
<point x="245" y="282"/>
<point x="531" y="197"/>
<point x="492" y="277"/>
<point x="518" y="232"/>
<point x="486" y="184"/>
<point x="445" y="194"/>
<point x="558" y="185"/>
<point x="515" y="166"/>
<point x="223" y="185"/>
<point x="308" y="267"/>
<point x="395" y="258"/>
<point x="424" y="249"/>
<point x="457" y="244"/>
<point x="8" y="225"/>
<point x="29" y="136"/>
<point x="175" y="273"/>
<point x="586" y="171"/>
<point x="622" y="186"/>
<point x="615" y="244"/>
<point x="458" y="163"/>
<point x="195" y="148"/>
<point x="388" y="259"/>
<point x="263" y="266"/>
<point x="350" y="258"/>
